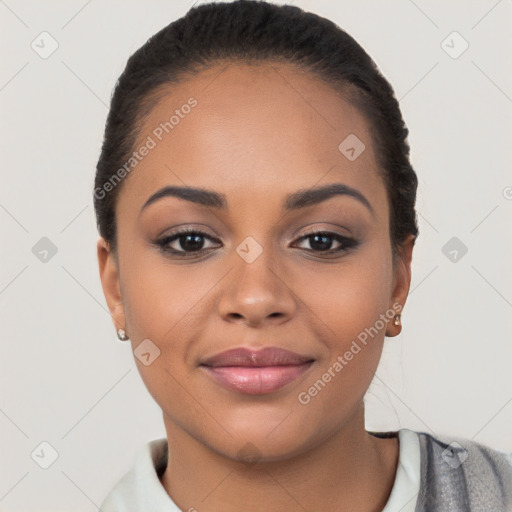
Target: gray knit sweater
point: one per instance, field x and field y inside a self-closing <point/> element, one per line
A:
<point x="459" y="475"/>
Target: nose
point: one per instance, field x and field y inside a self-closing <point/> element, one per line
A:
<point x="257" y="293"/>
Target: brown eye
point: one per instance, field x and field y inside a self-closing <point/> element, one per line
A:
<point x="185" y="242"/>
<point x="323" y="241"/>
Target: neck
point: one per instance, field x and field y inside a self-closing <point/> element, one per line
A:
<point x="351" y="470"/>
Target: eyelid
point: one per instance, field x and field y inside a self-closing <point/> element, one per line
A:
<point x="314" y="230"/>
<point x="186" y="228"/>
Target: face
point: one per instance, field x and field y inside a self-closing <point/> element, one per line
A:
<point x="267" y="261"/>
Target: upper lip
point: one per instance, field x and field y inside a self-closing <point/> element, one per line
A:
<point x="269" y="356"/>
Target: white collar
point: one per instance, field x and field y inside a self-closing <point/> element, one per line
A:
<point x="141" y="489"/>
<point x="406" y="488"/>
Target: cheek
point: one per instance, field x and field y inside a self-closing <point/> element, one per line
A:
<point x="351" y="298"/>
<point x="157" y="294"/>
<point x="349" y="314"/>
<point x="168" y="304"/>
<point x="162" y="303"/>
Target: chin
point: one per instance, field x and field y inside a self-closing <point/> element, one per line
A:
<point x="259" y="441"/>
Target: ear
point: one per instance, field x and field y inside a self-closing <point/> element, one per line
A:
<point x="109" y="275"/>
<point x="401" y="282"/>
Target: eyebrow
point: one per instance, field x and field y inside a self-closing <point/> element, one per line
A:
<point x="300" y="199"/>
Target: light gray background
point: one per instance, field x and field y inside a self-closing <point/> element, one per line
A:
<point x="67" y="380"/>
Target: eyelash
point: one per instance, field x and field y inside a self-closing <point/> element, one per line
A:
<point x="163" y="243"/>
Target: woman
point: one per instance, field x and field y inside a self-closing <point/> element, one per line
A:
<point x="256" y="207"/>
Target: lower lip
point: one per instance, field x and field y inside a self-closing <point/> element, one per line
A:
<point x="256" y="380"/>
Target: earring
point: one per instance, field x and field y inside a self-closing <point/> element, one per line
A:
<point x="397" y="320"/>
<point x="121" y="334"/>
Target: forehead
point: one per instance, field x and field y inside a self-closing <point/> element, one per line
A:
<point x="253" y="130"/>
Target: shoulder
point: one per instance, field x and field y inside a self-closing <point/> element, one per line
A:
<point x="459" y="474"/>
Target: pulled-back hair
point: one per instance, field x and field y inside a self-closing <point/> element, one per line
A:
<point x="253" y="31"/>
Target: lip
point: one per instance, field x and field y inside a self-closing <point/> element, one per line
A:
<point x="256" y="372"/>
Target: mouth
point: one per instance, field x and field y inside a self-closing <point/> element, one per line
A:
<point x="253" y="372"/>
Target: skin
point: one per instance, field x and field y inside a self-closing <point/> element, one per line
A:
<point x="257" y="134"/>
